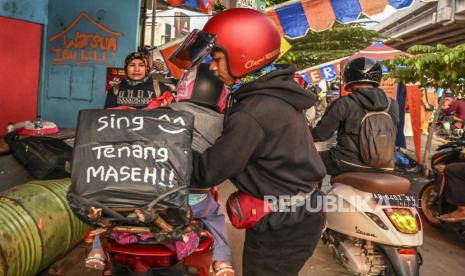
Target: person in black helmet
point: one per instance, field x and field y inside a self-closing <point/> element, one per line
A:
<point x="203" y="94"/>
<point x="362" y="77"/>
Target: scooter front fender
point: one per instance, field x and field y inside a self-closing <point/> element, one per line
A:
<point x="404" y="265"/>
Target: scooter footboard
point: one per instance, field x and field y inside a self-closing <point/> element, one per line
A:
<point x="405" y="261"/>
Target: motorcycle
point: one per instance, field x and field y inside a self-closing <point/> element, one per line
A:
<point x="432" y="199"/>
<point x="152" y="258"/>
<point x="450" y="127"/>
<point x="375" y="229"/>
<point x="156" y="259"/>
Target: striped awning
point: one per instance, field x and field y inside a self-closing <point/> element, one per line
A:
<point x="378" y="51"/>
<point x="295" y="18"/>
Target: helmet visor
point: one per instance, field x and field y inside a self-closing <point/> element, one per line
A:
<point x="196" y="46"/>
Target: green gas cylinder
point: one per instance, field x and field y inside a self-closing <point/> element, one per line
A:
<point x="37" y="227"/>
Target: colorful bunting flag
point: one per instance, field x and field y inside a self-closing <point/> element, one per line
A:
<point x="285" y="46"/>
<point x="370" y="7"/>
<point x="258" y="5"/>
<point x="202" y="5"/>
<point x="319" y="13"/>
<point x="295" y="18"/>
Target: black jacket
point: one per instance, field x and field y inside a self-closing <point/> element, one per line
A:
<point x="266" y="147"/>
<point x="345" y="115"/>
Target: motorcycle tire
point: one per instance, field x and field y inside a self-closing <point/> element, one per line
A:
<point x="427" y="196"/>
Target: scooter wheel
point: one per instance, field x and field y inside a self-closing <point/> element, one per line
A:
<point x="428" y="196"/>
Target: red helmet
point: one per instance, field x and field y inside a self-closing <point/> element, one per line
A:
<point x="249" y="39"/>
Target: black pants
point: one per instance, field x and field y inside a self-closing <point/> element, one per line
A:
<point x="282" y="252"/>
<point x="455" y="183"/>
<point x="335" y="167"/>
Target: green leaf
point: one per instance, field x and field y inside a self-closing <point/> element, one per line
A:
<point x="446" y="66"/>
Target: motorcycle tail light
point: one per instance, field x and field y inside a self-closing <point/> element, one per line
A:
<point x="143" y="263"/>
<point x="407" y="252"/>
<point x="119" y="258"/>
<point x="403" y="219"/>
<point x="161" y="261"/>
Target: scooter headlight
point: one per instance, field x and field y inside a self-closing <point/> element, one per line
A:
<point x="403" y="219"/>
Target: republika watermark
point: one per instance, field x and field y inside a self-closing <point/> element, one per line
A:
<point x="337" y="203"/>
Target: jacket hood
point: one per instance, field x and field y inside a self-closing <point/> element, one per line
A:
<point x="280" y="84"/>
<point x="371" y="99"/>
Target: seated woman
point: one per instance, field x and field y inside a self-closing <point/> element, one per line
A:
<point x="138" y="89"/>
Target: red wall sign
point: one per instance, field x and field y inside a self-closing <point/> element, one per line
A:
<point x="19" y="74"/>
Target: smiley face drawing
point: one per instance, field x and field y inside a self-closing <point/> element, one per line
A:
<point x="175" y="129"/>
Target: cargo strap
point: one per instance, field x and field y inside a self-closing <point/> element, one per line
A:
<point x="148" y="212"/>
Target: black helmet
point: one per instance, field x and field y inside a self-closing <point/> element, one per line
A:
<point x="334" y="85"/>
<point x="314" y="88"/>
<point x="201" y="86"/>
<point x="362" y="70"/>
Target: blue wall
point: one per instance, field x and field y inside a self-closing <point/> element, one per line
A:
<point x="29" y="10"/>
<point x="83" y="38"/>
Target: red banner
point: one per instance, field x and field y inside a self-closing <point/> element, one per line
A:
<point x="414" y="103"/>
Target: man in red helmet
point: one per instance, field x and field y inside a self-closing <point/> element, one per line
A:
<point x="266" y="148"/>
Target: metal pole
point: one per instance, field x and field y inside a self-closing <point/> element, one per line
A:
<point x="154" y="18"/>
<point x="143" y="16"/>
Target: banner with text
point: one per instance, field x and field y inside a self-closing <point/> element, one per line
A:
<point x="128" y="158"/>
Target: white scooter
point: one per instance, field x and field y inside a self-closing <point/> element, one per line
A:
<point x="375" y="229"/>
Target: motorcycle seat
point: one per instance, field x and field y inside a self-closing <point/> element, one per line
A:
<point x="379" y="183"/>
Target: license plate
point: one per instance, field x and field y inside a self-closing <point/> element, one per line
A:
<point x="395" y="200"/>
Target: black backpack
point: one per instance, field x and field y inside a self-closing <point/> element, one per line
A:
<point x="377" y="139"/>
<point x="43" y="157"/>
